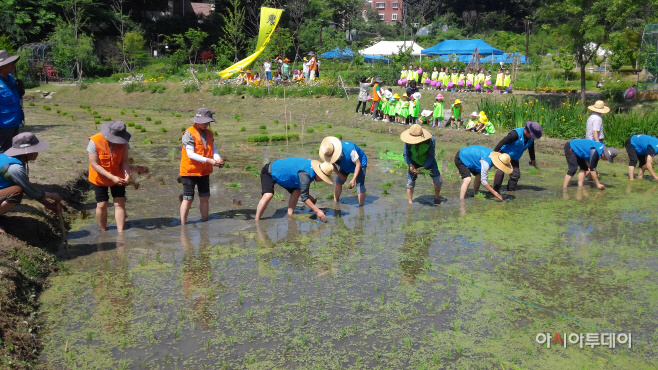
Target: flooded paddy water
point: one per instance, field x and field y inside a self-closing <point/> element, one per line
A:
<point x="387" y="286"/>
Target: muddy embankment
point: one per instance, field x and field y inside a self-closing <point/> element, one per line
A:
<point x="30" y="252"/>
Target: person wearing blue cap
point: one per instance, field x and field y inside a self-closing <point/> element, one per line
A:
<point x="515" y="143"/>
<point x="643" y="149"/>
<point x="585" y="154"/>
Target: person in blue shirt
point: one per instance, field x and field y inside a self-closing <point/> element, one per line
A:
<point x="585" y="153"/>
<point x="477" y="161"/>
<point x="643" y="149"/>
<point x="11" y="91"/>
<point x="419" y="152"/>
<point x="514" y="144"/>
<point x="294" y="175"/>
<point x="347" y="158"/>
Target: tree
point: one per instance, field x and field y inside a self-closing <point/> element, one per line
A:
<point x="586" y="24"/>
<point x="133" y="50"/>
<point x="189" y="44"/>
<point x="72" y="51"/>
<point x="27" y="20"/>
<point x="77" y="44"/>
<point x="119" y="21"/>
<point x="234" y="20"/>
<point x="565" y="60"/>
<point x="279" y="44"/>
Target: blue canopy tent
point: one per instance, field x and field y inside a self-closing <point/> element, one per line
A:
<point x="346" y="54"/>
<point x="506" y="58"/>
<point x="460" y="58"/>
<point x="461" y="47"/>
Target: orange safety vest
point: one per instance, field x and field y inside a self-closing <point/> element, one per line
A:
<point x="375" y="97"/>
<point x="110" y="160"/>
<point x="189" y="167"/>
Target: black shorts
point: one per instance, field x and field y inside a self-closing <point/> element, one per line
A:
<point x="117" y="191"/>
<point x="461" y="167"/>
<point x="573" y="161"/>
<point x="267" y="181"/>
<point x="201" y="182"/>
<point x="633" y="157"/>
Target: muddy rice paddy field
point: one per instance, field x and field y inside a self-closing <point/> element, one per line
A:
<point x="461" y="285"/>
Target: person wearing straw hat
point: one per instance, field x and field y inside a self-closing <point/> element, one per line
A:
<point x="594" y="128"/>
<point x="294" y="175"/>
<point x="14" y="180"/>
<point x="477" y="161"/>
<point x="198" y="157"/>
<point x="515" y="144"/>
<point x="11" y="91"/>
<point x="109" y="169"/>
<point x="347" y="158"/>
<point x="585" y="154"/>
<point x="419" y="152"/>
<point x="643" y="149"/>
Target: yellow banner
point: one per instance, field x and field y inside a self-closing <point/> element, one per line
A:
<point x="269" y="18"/>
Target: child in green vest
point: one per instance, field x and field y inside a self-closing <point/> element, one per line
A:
<point x="456" y="114"/>
<point x="472" y="123"/>
<point x="404" y="109"/>
<point x="437" y="117"/>
<point x="506" y="81"/>
<point x="397" y="106"/>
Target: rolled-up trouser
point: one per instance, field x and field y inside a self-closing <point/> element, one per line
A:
<point x="360" y="180"/>
<point x="513" y="177"/>
<point x="434" y="173"/>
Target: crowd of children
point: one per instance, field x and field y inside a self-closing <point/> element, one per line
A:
<point x="456" y="80"/>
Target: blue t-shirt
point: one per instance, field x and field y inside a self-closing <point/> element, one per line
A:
<point x="345" y="160"/>
<point x="471" y="156"/>
<point x="581" y="147"/>
<point x="642" y="143"/>
<point x="285" y="171"/>
<point x="11" y="113"/>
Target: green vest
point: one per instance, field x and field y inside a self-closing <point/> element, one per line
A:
<point x="419" y="152"/>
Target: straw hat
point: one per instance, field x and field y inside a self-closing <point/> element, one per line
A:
<point x="396" y="96"/>
<point x="415" y="134"/>
<point x="330" y="149"/>
<point x="324" y="170"/>
<point x="457" y="102"/>
<point x="502" y="161"/>
<point x="599" y="107"/>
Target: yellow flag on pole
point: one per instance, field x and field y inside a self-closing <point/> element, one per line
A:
<point x="269" y="18"/>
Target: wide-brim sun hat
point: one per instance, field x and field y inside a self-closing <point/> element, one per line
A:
<point x="439" y="96"/>
<point x="416" y="96"/>
<point x="330" y="149"/>
<point x="474" y="114"/>
<point x="457" y="102"/>
<point x="484" y="119"/>
<point x="378" y="80"/>
<point x="6" y="58"/>
<point x="404" y="95"/>
<point x="388" y="94"/>
<point x="115" y="132"/>
<point x="502" y="161"/>
<point x="203" y="115"/>
<point x="415" y="134"/>
<point x="599" y="107"/>
<point x="535" y="129"/>
<point x="25" y="143"/>
<point x="324" y="170"/>
<point x="310" y="53"/>
<point x="610" y="153"/>
<point x="396" y="96"/>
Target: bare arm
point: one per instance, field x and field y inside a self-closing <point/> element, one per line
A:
<point x="314" y="208"/>
<point x="596" y="135"/>
<point x="650" y="166"/>
<point x="492" y="191"/>
<point x="125" y="166"/>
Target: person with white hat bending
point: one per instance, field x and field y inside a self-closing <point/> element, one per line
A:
<point x="14" y="181"/>
<point x="347" y="158"/>
<point x="594" y="130"/>
<point x="477" y="161"/>
<point x="419" y="152"/>
<point x="295" y="175"/>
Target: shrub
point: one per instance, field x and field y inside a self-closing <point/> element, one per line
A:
<point x="132" y="111"/>
<point x="192" y="115"/>
<point x="107" y="119"/>
<point x="339" y="136"/>
<point x="243" y="128"/>
<point x="263" y="132"/>
<point x="148" y="141"/>
<point x="156" y="87"/>
<point x="329" y="125"/>
<point x="183" y="128"/>
<point x="56" y="104"/>
<point x="64" y="113"/>
<point x="257" y="138"/>
<point x="130" y="123"/>
<point x="97" y="121"/>
<point x="282" y="137"/>
<point x="215" y="133"/>
<point x="31" y="104"/>
<point x="58" y="111"/>
<point x="139" y="127"/>
<point x="97" y="116"/>
<point x="294" y="125"/>
<point x="310" y="130"/>
<point x="147" y="118"/>
<point x="131" y="84"/>
<point x="46" y="107"/>
<point x="123" y="112"/>
<point x="276" y="121"/>
<point x="81" y="106"/>
<point x="177" y="114"/>
<point x="262" y="127"/>
<point x="190" y="88"/>
<point x="157" y="122"/>
<point x="143" y="129"/>
<point x="135" y="114"/>
<point x="94" y="112"/>
<point x="163" y="129"/>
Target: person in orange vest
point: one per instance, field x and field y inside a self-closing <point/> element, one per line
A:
<point x="198" y="157"/>
<point x="376" y="97"/>
<point x="109" y="167"/>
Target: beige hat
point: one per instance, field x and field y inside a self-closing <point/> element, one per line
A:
<point x="415" y="134"/>
<point x="502" y="161"/>
<point x="323" y="170"/>
<point x="330" y="149"/>
<point x="599" y="107"/>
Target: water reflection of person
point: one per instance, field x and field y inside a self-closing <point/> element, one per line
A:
<point x="196" y="273"/>
<point x="299" y="255"/>
<point x="416" y="248"/>
<point x="113" y="286"/>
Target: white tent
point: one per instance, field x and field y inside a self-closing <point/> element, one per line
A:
<point x="387" y="48"/>
<point x="600" y="52"/>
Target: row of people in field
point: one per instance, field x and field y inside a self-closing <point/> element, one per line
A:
<point x="456" y="80"/>
<point x="110" y="173"/>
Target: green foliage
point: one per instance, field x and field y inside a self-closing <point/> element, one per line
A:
<point x="143" y="129"/>
<point x="257" y="138"/>
<point x="189" y="43"/>
<point x="148" y="141"/>
<point x="97" y="121"/>
<point x="157" y="122"/>
<point x="31" y="104"/>
<point x="107" y="118"/>
<point x="139" y="127"/>
<point x="310" y="130"/>
<point x="46" y="107"/>
<point x="155" y="87"/>
<point x="233" y="36"/>
<point x="70" y="49"/>
<point x="133" y="49"/>
<point x="177" y="114"/>
<point x="243" y="128"/>
<point x="130" y="123"/>
<point x="339" y="136"/>
<point x="619" y="127"/>
<point x="148" y="118"/>
<point x="565" y="60"/>
<point x="282" y="137"/>
<point x="262" y="127"/>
